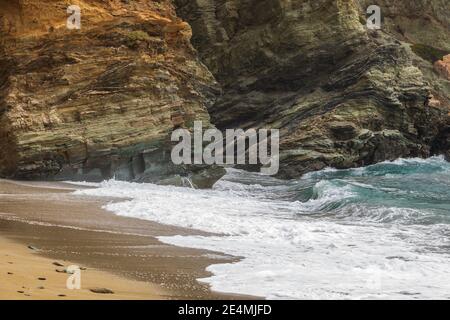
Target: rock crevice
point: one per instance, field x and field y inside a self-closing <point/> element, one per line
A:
<point x="342" y="95"/>
<point x="102" y="101"/>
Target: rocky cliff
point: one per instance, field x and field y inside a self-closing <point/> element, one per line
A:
<point x="101" y="101"/>
<point x="342" y="95"/>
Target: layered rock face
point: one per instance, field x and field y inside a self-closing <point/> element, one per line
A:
<point x="342" y="95"/>
<point x="424" y="22"/>
<point x="101" y="101"/>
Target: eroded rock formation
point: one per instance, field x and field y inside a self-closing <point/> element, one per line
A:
<point x="443" y="67"/>
<point x="342" y="95"/>
<point x="101" y="101"/>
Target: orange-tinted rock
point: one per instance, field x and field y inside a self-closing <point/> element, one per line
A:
<point x="101" y="101"/>
<point x="443" y="67"/>
<point x="433" y="102"/>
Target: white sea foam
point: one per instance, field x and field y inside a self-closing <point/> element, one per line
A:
<point x="83" y="183"/>
<point x="287" y="251"/>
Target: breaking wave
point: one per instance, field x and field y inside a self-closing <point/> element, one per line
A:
<point x="381" y="231"/>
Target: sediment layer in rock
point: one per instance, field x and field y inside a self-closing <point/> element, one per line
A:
<point x="101" y="101"/>
<point x="342" y="95"/>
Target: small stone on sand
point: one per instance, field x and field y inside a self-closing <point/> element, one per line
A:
<point x="101" y="290"/>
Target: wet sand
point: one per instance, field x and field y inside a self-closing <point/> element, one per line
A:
<point x="25" y="275"/>
<point x="120" y="253"/>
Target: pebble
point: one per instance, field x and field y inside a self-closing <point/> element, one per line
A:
<point x="102" y="290"/>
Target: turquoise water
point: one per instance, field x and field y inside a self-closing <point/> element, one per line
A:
<point x="381" y="231"/>
<point x="421" y="185"/>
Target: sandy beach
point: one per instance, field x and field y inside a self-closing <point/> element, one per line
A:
<point x="44" y="229"/>
<point x="24" y="274"/>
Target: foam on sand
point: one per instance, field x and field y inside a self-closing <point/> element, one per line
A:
<point x="345" y="234"/>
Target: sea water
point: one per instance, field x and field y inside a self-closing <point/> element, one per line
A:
<point x="379" y="232"/>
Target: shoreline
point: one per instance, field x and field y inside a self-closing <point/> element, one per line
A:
<point x="122" y="253"/>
